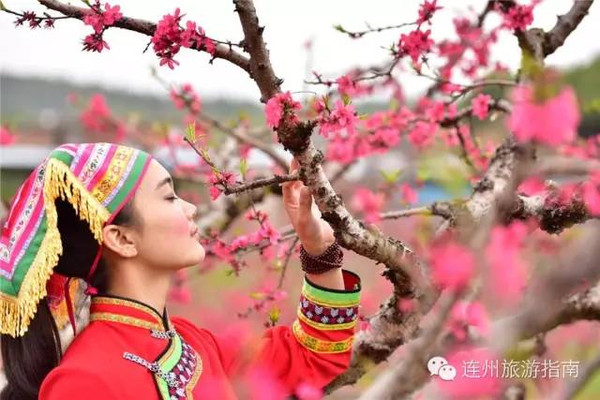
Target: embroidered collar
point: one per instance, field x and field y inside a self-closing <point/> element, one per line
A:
<point x="129" y="312"/>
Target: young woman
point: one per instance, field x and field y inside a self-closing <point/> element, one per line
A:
<point x="108" y="214"/>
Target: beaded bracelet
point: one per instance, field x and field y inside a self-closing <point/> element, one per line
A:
<point x="328" y="260"/>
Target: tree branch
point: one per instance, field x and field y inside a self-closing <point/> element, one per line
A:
<point x="565" y="25"/>
<point x="258" y="183"/>
<point x="260" y="64"/>
<point x="147" y="28"/>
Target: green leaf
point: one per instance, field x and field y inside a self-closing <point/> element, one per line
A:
<point x="391" y="176"/>
<point x="243" y="167"/>
<point x="190" y="132"/>
<point x="452" y="176"/>
<point x="346" y="99"/>
<point x="257" y="295"/>
<point x="339" y="28"/>
<point x="274" y="315"/>
<point x="2" y="6"/>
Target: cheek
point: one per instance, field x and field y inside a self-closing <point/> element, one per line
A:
<point x="180" y="226"/>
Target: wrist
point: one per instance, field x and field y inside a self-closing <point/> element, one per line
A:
<point x="317" y="249"/>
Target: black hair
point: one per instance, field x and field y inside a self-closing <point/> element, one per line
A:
<point x="29" y="358"/>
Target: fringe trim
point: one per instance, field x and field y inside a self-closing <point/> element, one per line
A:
<point x="59" y="180"/>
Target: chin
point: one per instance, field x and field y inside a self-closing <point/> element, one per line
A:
<point x="197" y="254"/>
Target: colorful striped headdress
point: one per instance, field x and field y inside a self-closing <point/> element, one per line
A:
<point x="97" y="179"/>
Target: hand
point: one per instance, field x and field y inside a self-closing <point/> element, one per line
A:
<point x="315" y="233"/>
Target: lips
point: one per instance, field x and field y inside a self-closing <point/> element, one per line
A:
<point x="194" y="231"/>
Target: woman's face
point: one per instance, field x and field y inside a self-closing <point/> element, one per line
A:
<point x="166" y="237"/>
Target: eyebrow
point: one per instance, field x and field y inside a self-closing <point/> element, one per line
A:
<point x="164" y="182"/>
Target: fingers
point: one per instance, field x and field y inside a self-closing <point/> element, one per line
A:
<point x="293" y="165"/>
<point x="292" y="185"/>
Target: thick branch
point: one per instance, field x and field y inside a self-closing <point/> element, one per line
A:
<point x="565" y="25"/>
<point x="260" y="64"/>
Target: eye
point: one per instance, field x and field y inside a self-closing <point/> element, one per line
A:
<point x="172" y="198"/>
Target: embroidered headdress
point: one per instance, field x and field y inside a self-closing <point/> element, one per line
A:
<point x="97" y="179"/>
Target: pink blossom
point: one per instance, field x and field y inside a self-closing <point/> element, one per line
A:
<point x="532" y="186"/>
<point x="262" y="384"/>
<point x="470" y="382"/>
<point x="94" y="20"/>
<point x="518" y="17"/>
<point x="435" y="110"/>
<point x="99" y="20"/>
<point x="195" y="37"/>
<point x="280" y="105"/>
<point x="364" y="324"/>
<point x="97" y="115"/>
<point x="450" y="137"/>
<point x="409" y="195"/>
<point x="347" y="86"/>
<point x="508" y="271"/>
<point x="426" y="11"/>
<point x="415" y="44"/>
<point x="464" y="315"/>
<point x="342" y="150"/>
<point x="553" y="122"/>
<point x="406" y="305"/>
<point x="94" y="42"/>
<point x="214" y="192"/>
<point x="111" y="14"/>
<point x="30" y="16"/>
<point x="453" y="265"/>
<point x="221" y="250"/>
<point x="169" y="37"/>
<point x="219" y="178"/>
<point x="591" y="194"/>
<point x="481" y="105"/>
<point x="307" y="391"/>
<point x="342" y="117"/>
<point x="449" y="49"/>
<point x="180" y="295"/>
<point x="6" y="138"/>
<point x="186" y="96"/>
<point x="268" y="232"/>
<point x="369" y="203"/>
<point x="422" y="134"/>
<point x="376" y="120"/>
<point x="384" y="138"/>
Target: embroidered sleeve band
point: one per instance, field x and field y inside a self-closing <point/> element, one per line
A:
<point x="320" y="346"/>
<point x="327" y="317"/>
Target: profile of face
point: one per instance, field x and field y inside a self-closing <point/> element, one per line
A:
<point x="163" y="237"/>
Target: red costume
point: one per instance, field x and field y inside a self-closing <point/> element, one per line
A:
<point x="130" y="351"/>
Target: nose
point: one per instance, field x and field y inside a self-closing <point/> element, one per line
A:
<point x="191" y="211"/>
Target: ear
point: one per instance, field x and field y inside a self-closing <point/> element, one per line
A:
<point x="120" y="240"/>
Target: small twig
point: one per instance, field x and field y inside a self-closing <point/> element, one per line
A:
<point x="359" y="34"/>
<point x="288" y="256"/>
<point x="406" y="213"/>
